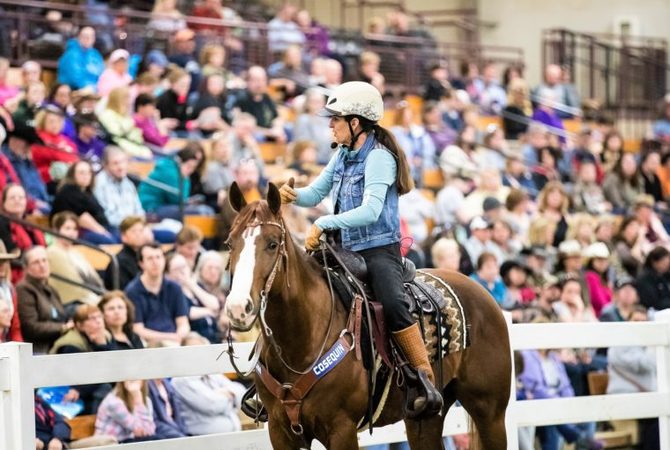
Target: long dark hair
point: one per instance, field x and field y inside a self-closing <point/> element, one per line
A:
<point x="404" y="181"/>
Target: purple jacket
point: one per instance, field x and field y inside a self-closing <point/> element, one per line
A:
<point x="551" y="120"/>
<point x="533" y="380"/>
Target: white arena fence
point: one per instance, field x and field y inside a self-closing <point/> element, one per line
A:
<point x="21" y="373"/>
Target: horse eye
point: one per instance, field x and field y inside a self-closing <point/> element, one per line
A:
<point x="273" y="246"/>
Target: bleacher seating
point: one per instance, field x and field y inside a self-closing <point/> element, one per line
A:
<point x="208" y="225"/>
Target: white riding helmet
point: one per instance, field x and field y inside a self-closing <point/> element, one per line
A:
<point x="355" y="98"/>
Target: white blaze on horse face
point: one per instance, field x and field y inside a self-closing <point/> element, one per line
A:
<point x="239" y="302"/>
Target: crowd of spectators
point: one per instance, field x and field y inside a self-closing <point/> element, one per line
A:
<point x="557" y="226"/>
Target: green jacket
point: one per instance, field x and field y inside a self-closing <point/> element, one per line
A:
<point x="165" y="172"/>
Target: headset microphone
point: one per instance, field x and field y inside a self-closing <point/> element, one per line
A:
<point x="333" y="145"/>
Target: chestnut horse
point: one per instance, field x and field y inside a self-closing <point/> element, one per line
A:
<point x="297" y="310"/>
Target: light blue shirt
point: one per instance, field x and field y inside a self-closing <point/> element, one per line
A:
<point x="380" y="173"/>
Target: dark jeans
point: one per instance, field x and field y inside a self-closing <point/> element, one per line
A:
<point x="385" y="277"/>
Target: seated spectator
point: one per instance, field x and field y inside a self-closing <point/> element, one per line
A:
<point x="68" y="264"/>
<point x="587" y="194"/>
<point x="118" y="122"/>
<point x="204" y="308"/>
<point x="332" y="74"/>
<point x="419" y="147"/>
<point x="133" y="236"/>
<point x="189" y="245"/>
<point x="537" y="138"/>
<point x="446" y="254"/>
<point x="490" y="185"/>
<point x="662" y="125"/>
<point x="167" y="412"/>
<point x="213" y="61"/>
<point x="546" y="169"/>
<point x="517" y="176"/>
<point x="623" y="184"/>
<point x="161" y="310"/>
<point x="516" y="115"/>
<point x="650" y="162"/>
<point x="60" y="97"/>
<point x="256" y="101"/>
<point x="488" y="275"/>
<point x="7" y="93"/>
<point x="283" y="31"/>
<point x="547" y="115"/>
<point x="653" y="231"/>
<point x="462" y="157"/>
<point x="116" y="74"/>
<point x="492" y="98"/>
<point x="438" y="84"/>
<point x="154" y="132"/>
<point x="304" y="159"/>
<point x="543" y="306"/>
<point x="16" y="237"/>
<point x="441" y="134"/>
<point x="209" y="404"/>
<point x="368" y="70"/>
<point x="309" y="126"/>
<point x="150" y="80"/>
<point x="88" y="335"/>
<point x="31" y="72"/>
<point x="89" y="144"/>
<point x="628" y="248"/>
<point x="169" y="172"/>
<point x="218" y="172"/>
<point x="126" y="413"/>
<point x="582" y="229"/>
<point x="316" y="35"/>
<point x="113" y="189"/>
<point x="81" y="65"/>
<point x="172" y="104"/>
<point x="517" y="214"/>
<point x="495" y="148"/>
<point x="56" y="152"/>
<point x="552" y="203"/>
<point x="119" y="315"/>
<point x="166" y="17"/>
<point x="17" y="152"/>
<point x="449" y="202"/>
<point x="24" y="116"/>
<point x="653" y="283"/>
<point x="213" y="9"/>
<point x="184" y="56"/>
<point x="75" y="194"/>
<point x="597" y="268"/>
<point x="571" y="307"/>
<point x="210" y="273"/>
<point x="41" y="311"/>
<point x="210" y="111"/>
<point x="505" y="246"/>
<point x="566" y="103"/>
<point x="624" y="301"/>
<point x="289" y="75"/>
<point x="53" y="433"/>
<point x="11" y="326"/>
<point x="570" y="263"/>
<point x="612" y="150"/>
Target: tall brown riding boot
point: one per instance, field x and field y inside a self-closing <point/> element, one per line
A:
<point x="410" y="341"/>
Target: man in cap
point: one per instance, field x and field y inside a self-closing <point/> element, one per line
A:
<point x="479" y="240"/>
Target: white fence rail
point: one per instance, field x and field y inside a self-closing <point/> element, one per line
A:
<point x="21" y="373"/>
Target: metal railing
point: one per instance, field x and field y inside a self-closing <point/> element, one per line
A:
<point x="114" y="261"/>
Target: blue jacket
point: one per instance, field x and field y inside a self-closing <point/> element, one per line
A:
<point x="166" y="427"/>
<point x="165" y="172"/>
<point x="79" y="67"/>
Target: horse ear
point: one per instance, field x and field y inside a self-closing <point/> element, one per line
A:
<point x="273" y="198"/>
<point x="236" y="197"/>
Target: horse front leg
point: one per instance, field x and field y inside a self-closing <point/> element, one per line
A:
<point x="344" y="436"/>
<point x="282" y="438"/>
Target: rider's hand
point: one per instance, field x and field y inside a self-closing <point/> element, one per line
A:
<point x="287" y="193"/>
<point x="312" y="240"/>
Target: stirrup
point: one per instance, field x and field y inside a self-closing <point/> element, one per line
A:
<point x="252" y="405"/>
<point x="423" y="399"/>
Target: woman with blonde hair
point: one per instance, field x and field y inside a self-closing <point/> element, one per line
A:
<point x="119" y="123"/>
<point x="166" y="17"/>
<point x="126" y="413"/>
<point x="582" y="229"/>
<point x="553" y="203"/>
<point x="518" y="110"/>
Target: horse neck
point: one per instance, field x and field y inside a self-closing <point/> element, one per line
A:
<point x="303" y="310"/>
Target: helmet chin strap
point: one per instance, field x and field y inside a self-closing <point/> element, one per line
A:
<point x="354" y="136"/>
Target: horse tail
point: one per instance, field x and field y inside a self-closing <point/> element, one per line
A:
<point x="473" y="434"/>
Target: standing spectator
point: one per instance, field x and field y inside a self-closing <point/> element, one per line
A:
<point x="662" y="125"/>
<point x="126" y="413"/>
<point x="133" y="236"/>
<point x="516" y="114"/>
<point x="67" y="263"/>
<point x="116" y="74"/>
<point x="11" y="326"/>
<point x="632" y="370"/>
<point x="81" y="65"/>
<point x="119" y="315"/>
<point x="653" y="284"/>
<point x="419" y="147"/>
<point x="17" y="237"/>
<point x="42" y="315"/>
<point x="166" y="17"/>
<point x="488" y="275"/>
<point x="184" y="56"/>
<point x="75" y="194"/>
<point x="623" y="185"/>
<point x="256" y="101"/>
<point x="17" y="151"/>
<point x="283" y="31"/>
<point x="118" y="121"/>
<point x="154" y="132"/>
<point x="624" y="301"/>
<point x="209" y="403"/>
<point x="173" y="103"/>
<point x="167" y="412"/>
<point x="89" y="145"/>
<point x="161" y="311"/>
<point x="57" y="152"/>
<point x="597" y="267"/>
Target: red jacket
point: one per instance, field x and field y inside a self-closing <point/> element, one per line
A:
<point x="56" y="148"/>
<point x="15" y="327"/>
<point x="8" y="175"/>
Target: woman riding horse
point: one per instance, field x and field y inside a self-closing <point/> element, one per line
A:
<point x="366" y="175"/>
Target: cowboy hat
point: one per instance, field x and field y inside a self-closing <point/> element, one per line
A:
<point x="4" y="256"/>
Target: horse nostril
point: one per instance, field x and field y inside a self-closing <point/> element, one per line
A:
<point x="243" y="316"/>
<point x="249" y="308"/>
